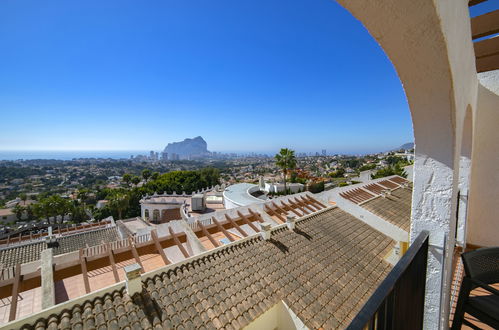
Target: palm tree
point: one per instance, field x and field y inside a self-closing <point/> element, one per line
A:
<point x="119" y="202"/>
<point x="285" y="160"/>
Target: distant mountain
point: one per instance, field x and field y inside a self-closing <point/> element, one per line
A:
<point x="407" y="146"/>
<point x="196" y="147"/>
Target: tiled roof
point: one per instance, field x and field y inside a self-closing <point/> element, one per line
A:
<point x="394" y="208"/>
<point x="21" y="254"/>
<point x="80" y="241"/>
<point x="325" y="271"/>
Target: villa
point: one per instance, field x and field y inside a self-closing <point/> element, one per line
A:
<point x="382" y="253"/>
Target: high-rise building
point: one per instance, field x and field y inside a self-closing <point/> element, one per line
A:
<point x="323" y="152"/>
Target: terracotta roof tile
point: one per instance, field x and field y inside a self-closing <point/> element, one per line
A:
<point x="324" y="271"/>
<point x="394" y="208"/>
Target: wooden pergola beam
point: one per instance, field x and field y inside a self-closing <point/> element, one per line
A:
<point x="309" y="204"/>
<point x="239" y="229"/>
<point x="113" y="262"/>
<point x="159" y="248"/>
<point x="179" y="244"/>
<point x="15" y="293"/>
<point x="488" y="63"/>
<point x="273" y="212"/>
<point x="283" y="211"/>
<point x="300" y="206"/>
<point x="291" y="207"/>
<point x="475" y="2"/>
<point x="485" y="25"/>
<point x="257" y="216"/>
<point x="304" y="204"/>
<point x="207" y="234"/>
<point x="247" y="221"/>
<point x="226" y="233"/>
<point x="83" y="263"/>
<point x="135" y="254"/>
<point x="487" y="54"/>
<point x="316" y="201"/>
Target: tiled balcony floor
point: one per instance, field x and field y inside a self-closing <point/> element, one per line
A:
<point x="456" y="285"/>
<point x="28" y="302"/>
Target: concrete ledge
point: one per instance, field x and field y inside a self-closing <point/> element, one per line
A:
<point x="194" y="245"/>
<point x="47" y="275"/>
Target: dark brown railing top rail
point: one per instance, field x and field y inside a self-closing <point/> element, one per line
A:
<point x="367" y="316"/>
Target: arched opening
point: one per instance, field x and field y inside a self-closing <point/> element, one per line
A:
<point x="464" y="178"/>
<point x="155" y="216"/>
<point x="417" y="46"/>
<point x="415" y="36"/>
<point x="146" y="214"/>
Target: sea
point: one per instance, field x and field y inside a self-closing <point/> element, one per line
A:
<point x="69" y="155"/>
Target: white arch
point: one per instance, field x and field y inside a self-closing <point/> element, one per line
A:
<point x="432" y="53"/>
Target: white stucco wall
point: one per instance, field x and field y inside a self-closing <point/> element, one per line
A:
<point x="483" y="227"/>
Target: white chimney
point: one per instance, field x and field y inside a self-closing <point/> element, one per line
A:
<point x="290" y="222"/>
<point x="133" y="279"/>
<point x="265" y="230"/>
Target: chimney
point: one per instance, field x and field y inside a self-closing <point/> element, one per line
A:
<point x="265" y="230"/>
<point x="290" y="222"/>
<point x="133" y="279"/>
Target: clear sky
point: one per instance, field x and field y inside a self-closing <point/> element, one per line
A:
<point x="246" y="75"/>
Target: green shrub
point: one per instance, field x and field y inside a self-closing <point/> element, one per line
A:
<point x="316" y="187"/>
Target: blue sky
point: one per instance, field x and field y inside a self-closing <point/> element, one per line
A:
<point x="246" y="75"/>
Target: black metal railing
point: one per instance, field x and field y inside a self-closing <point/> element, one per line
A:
<point x="398" y="302"/>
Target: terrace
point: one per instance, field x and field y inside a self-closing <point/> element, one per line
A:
<point x="80" y="269"/>
<point x="454" y="200"/>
